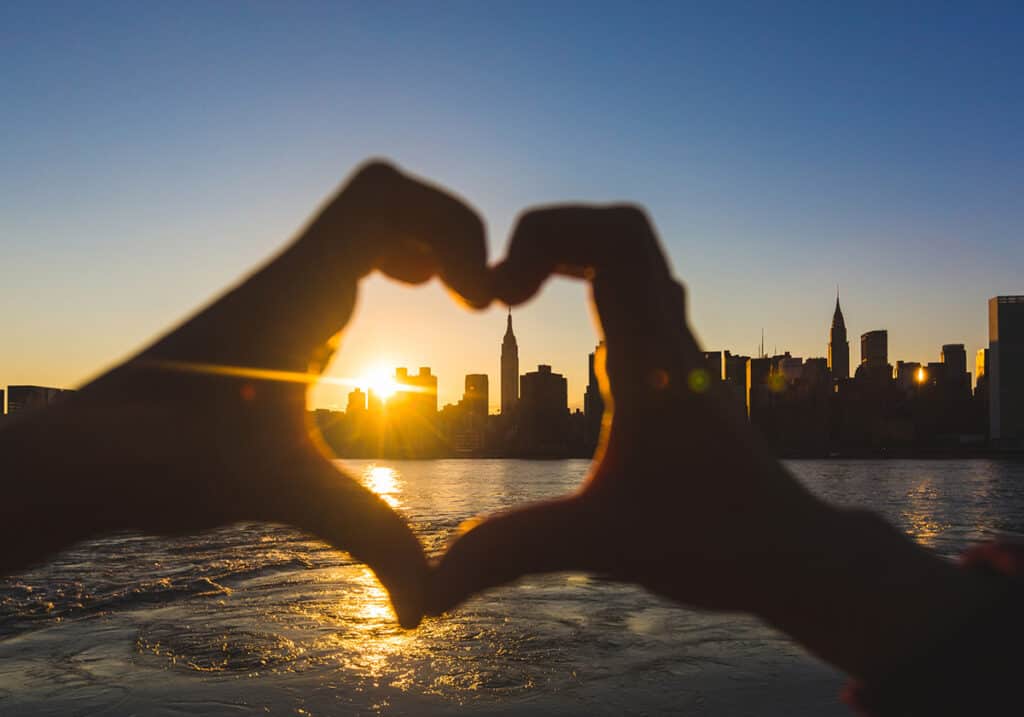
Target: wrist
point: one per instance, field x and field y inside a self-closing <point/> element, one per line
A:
<point x="867" y="599"/>
<point x="46" y="506"/>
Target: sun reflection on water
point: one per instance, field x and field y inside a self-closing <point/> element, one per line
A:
<point x="383" y="481"/>
<point x="922" y="513"/>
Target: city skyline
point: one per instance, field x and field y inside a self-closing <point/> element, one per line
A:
<point x="449" y="390"/>
<point x="352" y="370"/>
<point x="801" y="406"/>
<point x="155" y="160"/>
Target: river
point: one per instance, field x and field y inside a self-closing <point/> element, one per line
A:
<point x="256" y="619"/>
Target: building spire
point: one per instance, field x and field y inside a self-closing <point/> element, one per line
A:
<point x="509" y="369"/>
<point x="838" y="346"/>
<point x="837" y="315"/>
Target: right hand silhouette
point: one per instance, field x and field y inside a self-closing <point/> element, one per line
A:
<point x="682" y="498"/>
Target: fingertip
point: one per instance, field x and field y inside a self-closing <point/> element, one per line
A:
<point x="338" y="509"/>
<point x="539" y="538"/>
<point x="409" y="614"/>
<point x="472" y="287"/>
<point x="514" y="285"/>
<point x="376" y="167"/>
<point x="410" y="262"/>
<point x="404" y="577"/>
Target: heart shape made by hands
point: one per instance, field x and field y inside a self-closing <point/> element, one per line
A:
<point x="681" y="497"/>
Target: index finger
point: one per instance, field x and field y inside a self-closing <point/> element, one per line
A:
<point x="285" y="313"/>
<point x="640" y="307"/>
<point x="410" y="229"/>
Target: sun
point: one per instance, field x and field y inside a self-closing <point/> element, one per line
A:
<point x="381" y="381"/>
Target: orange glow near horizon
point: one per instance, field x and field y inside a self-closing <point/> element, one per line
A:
<point x="378" y="379"/>
<point x="920" y="377"/>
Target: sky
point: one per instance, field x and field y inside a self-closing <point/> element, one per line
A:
<point x="152" y="154"/>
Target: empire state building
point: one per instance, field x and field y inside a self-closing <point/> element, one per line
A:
<point x="509" y="369"/>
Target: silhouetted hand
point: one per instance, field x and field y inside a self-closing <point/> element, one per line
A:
<point x="683" y="498"/>
<point x="678" y="499"/>
<point x="208" y="426"/>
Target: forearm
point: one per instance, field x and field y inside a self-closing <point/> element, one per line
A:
<point x="50" y="494"/>
<point x="871" y="601"/>
<point x="27" y="530"/>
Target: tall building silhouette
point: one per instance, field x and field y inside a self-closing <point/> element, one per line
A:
<point x="838" y="346"/>
<point x="509" y="369"/>
<point x="544" y="412"/>
<point x="1006" y="372"/>
<point x="954" y="358"/>
<point x="20" y="398"/>
<point x="356" y="402"/>
<point x="874" y="348"/>
<point x="477" y="395"/>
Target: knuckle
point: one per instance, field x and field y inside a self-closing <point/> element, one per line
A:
<point x="528" y="233"/>
<point x="470" y="222"/>
<point x="371" y="182"/>
<point x="376" y="170"/>
<point x="631" y="217"/>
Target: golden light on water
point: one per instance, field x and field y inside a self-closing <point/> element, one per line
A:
<point x="384" y="482"/>
<point x="376" y="605"/>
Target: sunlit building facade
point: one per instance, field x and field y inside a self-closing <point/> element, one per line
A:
<point x="414" y="393"/>
<point x="593" y="403"/>
<point x="356" y="402"/>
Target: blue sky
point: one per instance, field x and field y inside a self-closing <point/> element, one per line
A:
<point x="153" y="154"/>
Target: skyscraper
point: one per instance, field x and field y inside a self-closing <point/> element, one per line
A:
<point x="477" y="394"/>
<point x="356" y="402"/>
<point x="1006" y="370"/>
<point x="874" y="348"/>
<point x="838" y="346"/>
<point x="544" y="412"/>
<point x="509" y="369"/>
<point x="954" y="358"/>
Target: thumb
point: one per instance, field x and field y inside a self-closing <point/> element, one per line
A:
<point x="542" y="538"/>
<point x="340" y="511"/>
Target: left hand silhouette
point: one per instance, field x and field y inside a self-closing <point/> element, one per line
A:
<point x="208" y="425"/>
<point x="684" y="498"/>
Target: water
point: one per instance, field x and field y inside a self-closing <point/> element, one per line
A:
<point x="261" y="619"/>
